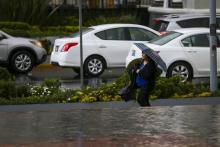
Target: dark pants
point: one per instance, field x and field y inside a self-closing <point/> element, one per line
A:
<point x="143" y="97"/>
<point x="145" y="91"/>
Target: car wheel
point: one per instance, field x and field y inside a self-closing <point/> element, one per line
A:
<point x="22" y="62"/>
<point x="94" y="66"/>
<point x="181" y="69"/>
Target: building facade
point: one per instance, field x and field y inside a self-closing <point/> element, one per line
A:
<point x="100" y="3"/>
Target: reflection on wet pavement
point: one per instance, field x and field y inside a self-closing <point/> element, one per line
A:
<point x="68" y="78"/>
<point x="139" y="127"/>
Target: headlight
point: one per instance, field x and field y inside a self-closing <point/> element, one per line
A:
<point x="37" y="43"/>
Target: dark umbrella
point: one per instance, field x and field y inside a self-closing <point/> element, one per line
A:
<point x="152" y="54"/>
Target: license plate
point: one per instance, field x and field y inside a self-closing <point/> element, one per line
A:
<point x="56" y="48"/>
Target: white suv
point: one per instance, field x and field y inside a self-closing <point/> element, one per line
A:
<point x="176" y="21"/>
<point x="19" y="55"/>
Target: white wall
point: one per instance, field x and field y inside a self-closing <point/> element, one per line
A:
<point x="199" y="4"/>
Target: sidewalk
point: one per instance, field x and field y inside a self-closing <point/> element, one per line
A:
<point x="112" y="124"/>
<point x="109" y="105"/>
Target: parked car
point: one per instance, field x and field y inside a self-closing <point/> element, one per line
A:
<point x="104" y="46"/>
<point x="19" y="55"/>
<point x="186" y="52"/>
<point x="177" y="21"/>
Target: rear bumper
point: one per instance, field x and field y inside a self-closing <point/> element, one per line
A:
<point x="64" y="60"/>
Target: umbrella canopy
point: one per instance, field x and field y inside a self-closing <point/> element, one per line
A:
<point x="152" y="54"/>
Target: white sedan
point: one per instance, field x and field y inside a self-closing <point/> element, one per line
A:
<point x="186" y="52"/>
<point x="104" y="46"/>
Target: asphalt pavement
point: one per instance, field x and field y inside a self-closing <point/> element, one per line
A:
<point x="111" y="105"/>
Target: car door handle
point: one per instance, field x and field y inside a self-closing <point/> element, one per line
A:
<point x="192" y="51"/>
<point x="102" y="46"/>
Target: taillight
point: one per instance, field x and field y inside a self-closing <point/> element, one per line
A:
<point x="163" y="33"/>
<point x="67" y="46"/>
<point x="157" y="21"/>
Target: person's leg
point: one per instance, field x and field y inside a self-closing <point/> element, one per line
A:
<point x="143" y="98"/>
<point x="132" y="92"/>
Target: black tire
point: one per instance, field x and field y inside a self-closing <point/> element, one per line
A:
<point x="182" y="69"/>
<point x="94" y="66"/>
<point x="22" y="62"/>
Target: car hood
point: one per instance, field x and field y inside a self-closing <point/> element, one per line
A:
<point x="20" y="39"/>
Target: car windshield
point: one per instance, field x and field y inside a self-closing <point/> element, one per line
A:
<point x="165" y="38"/>
<point x="84" y="31"/>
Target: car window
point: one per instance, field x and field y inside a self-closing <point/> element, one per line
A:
<point x="200" y="40"/>
<point x="160" y="25"/>
<point x="187" y="42"/>
<point x="112" y="34"/>
<point x="138" y="34"/>
<point x="163" y="26"/>
<point x="101" y="35"/>
<point x="161" y="40"/>
<point x="195" y="22"/>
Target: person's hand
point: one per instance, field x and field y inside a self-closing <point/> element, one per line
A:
<point x="137" y="71"/>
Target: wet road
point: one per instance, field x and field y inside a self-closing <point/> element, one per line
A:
<point x="180" y="126"/>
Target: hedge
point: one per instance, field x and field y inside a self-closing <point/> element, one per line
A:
<point x="15" y="25"/>
<point x="49" y="91"/>
<point x="25" y="30"/>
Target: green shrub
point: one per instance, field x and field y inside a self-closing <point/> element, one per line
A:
<point x="17" y="33"/>
<point x="59" y="30"/>
<point x="52" y="83"/>
<point x="15" y="25"/>
<point x="106" y="20"/>
<point x="47" y="88"/>
<point x="7" y="89"/>
<point x="23" y="91"/>
<point x="4" y="74"/>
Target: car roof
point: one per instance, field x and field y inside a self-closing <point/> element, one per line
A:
<point x="104" y="26"/>
<point x="193" y="30"/>
<point x="177" y="17"/>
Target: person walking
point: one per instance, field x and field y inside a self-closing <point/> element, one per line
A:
<point x="143" y="76"/>
<point x="145" y="79"/>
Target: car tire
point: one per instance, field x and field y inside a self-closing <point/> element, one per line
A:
<point x="22" y="62"/>
<point x="94" y="66"/>
<point x="181" y="69"/>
